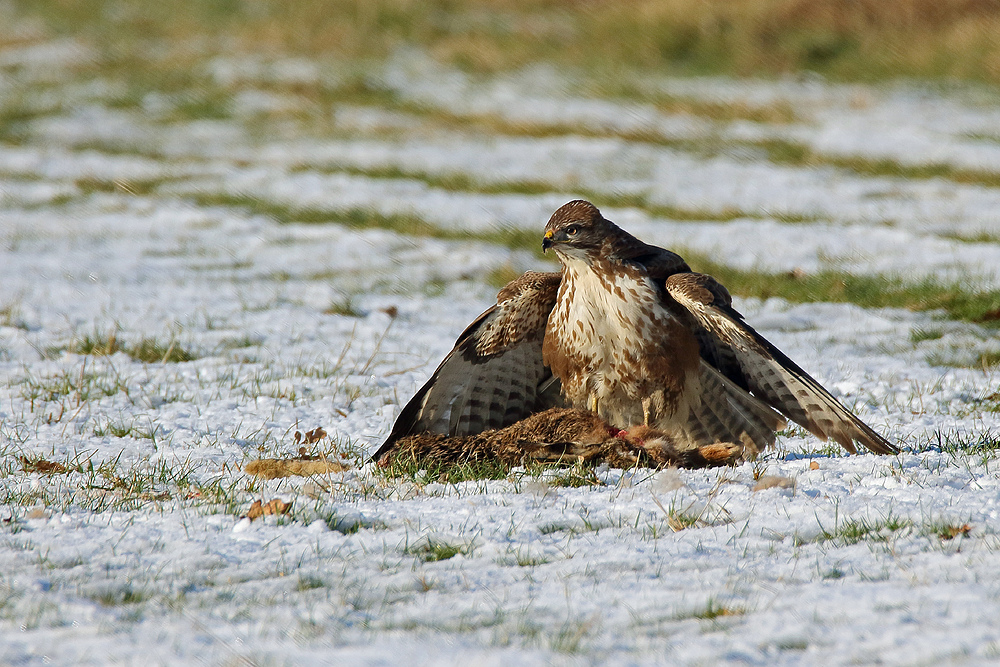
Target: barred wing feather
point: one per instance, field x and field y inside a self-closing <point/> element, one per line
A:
<point x="770" y="375"/>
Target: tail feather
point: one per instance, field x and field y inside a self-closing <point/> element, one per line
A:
<point x="726" y="413"/>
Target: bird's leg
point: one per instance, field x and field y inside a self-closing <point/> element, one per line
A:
<point x="647" y="404"/>
<point x="592" y="403"/>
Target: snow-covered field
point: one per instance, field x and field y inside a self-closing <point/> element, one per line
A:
<point x="122" y="497"/>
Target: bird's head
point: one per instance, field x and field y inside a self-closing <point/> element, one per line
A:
<point x="576" y="230"/>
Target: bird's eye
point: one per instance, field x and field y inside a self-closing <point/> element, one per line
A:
<point x="572" y="230"/>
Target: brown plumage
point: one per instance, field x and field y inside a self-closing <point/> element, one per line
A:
<point x="627" y="331"/>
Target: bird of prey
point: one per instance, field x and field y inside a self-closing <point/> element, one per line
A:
<point x="627" y="331"/>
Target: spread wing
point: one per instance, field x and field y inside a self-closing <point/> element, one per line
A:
<point x="494" y="376"/>
<point x="770" y="375"/>
<point x="727" y="413"/>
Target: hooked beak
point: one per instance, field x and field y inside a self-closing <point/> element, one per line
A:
<point x="547" y="241"/>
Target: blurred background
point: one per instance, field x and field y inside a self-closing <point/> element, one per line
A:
<point x="162" y="42"/>
<point x="848" y="121"/>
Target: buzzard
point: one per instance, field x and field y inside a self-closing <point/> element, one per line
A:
<point x="627" y="331"/>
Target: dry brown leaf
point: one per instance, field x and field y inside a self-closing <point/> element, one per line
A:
<point x="814" y="465"/>
<point x="310" y="437"/>
<point x="275" y="506"/>
<point x="42" y="466"/>
<point x="950" y="532"/>
<point x="773" y="482"/>
<point x="275" y="468"/>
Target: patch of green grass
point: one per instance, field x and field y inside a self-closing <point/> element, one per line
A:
<point x="240" y="342"/>
<point x="920" y="334"/>
<point x="570" y="638"/>
<point x="452" y="181"/>
<point x="74" y="388"/>
<point x="121" y="595"/>
<point x="679" y="519"/>
<point x="984" y="444"/>
<point x="569" y="529"/>
<point x="575" y="476"/>
<point x="112" y="484"/>
<point x="852" y="531"/>
<point x="152" y="351"/>
<point x="147" y="350"/>
<point x="525" y="559"/>
<point x="10" y="316"/>
<point x="431" y="550"/>
<point x="990" y="403"/>
<point x="15" y="120"/>
<point x="713" y="610"/>
<point x="960" y="355"/>
<point x="345" y="525"/>
<point x="778" y="112"/>
<point x="124" y="428"/>
<point x="223" y="494"/>
<point x="202" y="104"/>
<point x="98" y="344"/>
<point x="90" y="184"/>
<point x="428" y="470"/>
<point x="945" y="530"/>
<point x="981" y="236"/>
<point x="342" y="307"/>
<point x="117" y="429"/>
<point x="309" y="582"/>
<point x="988" y="359"/>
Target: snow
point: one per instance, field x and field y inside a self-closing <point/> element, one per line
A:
<point x="140" y="553"/>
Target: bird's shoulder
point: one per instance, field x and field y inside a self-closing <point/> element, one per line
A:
<point x="659" y="263"/>
<point x="522" y="309"/>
